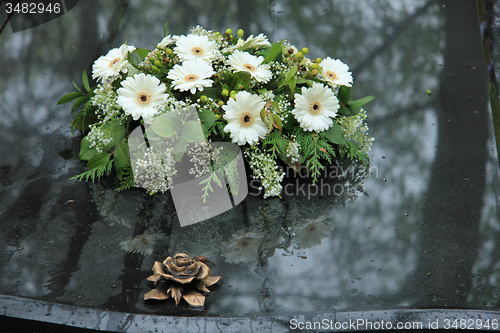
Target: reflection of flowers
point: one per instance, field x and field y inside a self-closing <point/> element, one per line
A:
<point x="243" y="247"/>
<point x="312" y="234"/>
<point x="142" y="244"/>
<point x="176" y="276"/>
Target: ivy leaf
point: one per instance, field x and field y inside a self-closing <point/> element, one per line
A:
<point x="334" y="135"/>
<point x="98" y="160"/>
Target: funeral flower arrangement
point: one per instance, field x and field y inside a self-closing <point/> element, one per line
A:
<point x="268" y="98"/>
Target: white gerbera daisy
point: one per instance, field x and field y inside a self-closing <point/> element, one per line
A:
<point x="191" y="75"/>
<point x="243" y="115"/>
<point x="193" y="47"/>
<point x="315" y="108"/>
<point x="112" y="63"/>
<point x="245" y="62"/>
<point x="251" y="41"/>
<point x="167" y="40"/>
<point x="335" y="72"/>
<point x="140" y="95"/>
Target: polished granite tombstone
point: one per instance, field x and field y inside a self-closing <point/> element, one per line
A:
<point x="415" y="236"/>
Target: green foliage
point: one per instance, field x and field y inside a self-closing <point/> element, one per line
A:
<point x="127" y="181"/>
<point x="275" y="144"/>
<point x="315" y="148"/>
<point x="97" y="173"/>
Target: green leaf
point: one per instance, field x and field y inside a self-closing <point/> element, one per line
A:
<point x="192" y="132"/>
<point x="334" y="135"/>
<point x="70" y="96"/>
<point x="165" y="31"/>
<point x="306" y="81"/>
<point x="263" y="115"/>
<point x="291" y="73"/>
<point x="277" y="121"/>
<point x="291" y="84"/>
<point x="142" y="53"/>
<point x="166" y="125"/>
<point x="85" y="81"/>
<point x="274" y="53"/>
<point x="98" y="160"/>
<point x="117" y="133"/>
<point x="344" y="95"/>
<point x="179" y="149"/>
<point x="76" y="86"/>
<point x="86" y="152"/>
<point x="360" y="102"/>
<point x="121" y="155"/>
<point x="242" y="79"/>
<point x="207" y="118"/>
<point x="290" y="122"/>
<point x="79" y="101"/>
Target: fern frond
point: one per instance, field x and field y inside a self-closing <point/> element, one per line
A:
<point x="98" y="172"/>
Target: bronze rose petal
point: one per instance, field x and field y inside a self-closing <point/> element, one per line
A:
<point x="156" y="294"/>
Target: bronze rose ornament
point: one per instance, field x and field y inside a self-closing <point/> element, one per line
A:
<point x="181" y="277"/>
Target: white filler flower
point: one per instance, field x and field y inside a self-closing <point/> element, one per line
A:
<point x="193" y="47"/>
<point x="191" y="75"/>
<point x="335" y="72"/>
<point x="315" y="108"/>
<point x="245" y="62"/>
<point x="243" y="116"/>
<point x="112" y="63"/>
<point x="140" y="95"/>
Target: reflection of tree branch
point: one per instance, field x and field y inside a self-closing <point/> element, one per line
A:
<point x="114" y="22"/>
<point x="448" y="237"/>
<point x="403" y="112"/>
<point x="6" y="21"/>
<point x="389" y="40"/>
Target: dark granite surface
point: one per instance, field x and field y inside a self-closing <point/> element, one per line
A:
<point x="425" y="236"/>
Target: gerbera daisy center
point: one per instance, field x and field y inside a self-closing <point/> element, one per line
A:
<point x="198" y="51"/>
<point x="331" y="75"/>
<point x="143" y="97"/>
<point x="315" y="107"/>
<point x="249" y="67"/>
<point x="246" y="118"/>
<point x="191" y="77"/>
<point x="113" y="62"/>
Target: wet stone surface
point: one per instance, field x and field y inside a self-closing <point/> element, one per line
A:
<point x="417" y="229"/>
